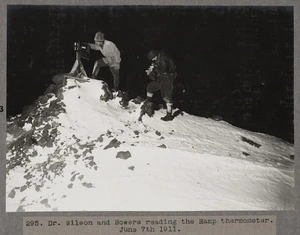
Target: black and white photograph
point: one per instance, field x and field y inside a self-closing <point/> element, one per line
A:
<point x="149" y="108"/>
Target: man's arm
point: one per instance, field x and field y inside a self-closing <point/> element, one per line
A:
<point x="162" y="64"/>
<point x="165" y="65"/>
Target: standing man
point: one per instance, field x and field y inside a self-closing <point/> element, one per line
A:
<point x="111" y="59"/>
<point x="162" y="73"/>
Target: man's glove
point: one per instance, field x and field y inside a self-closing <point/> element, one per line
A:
<point x="150" y="69"/>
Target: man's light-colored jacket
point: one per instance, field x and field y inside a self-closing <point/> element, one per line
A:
<point x="111" y="53"/>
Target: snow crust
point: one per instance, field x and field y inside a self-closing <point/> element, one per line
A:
<point x="188" y="164"/>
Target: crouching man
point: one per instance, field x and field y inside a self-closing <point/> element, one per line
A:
<point x="111" y="59"/>
<point x="162" y="73"/>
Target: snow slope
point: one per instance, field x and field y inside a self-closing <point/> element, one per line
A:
<point x="97" y="156"/>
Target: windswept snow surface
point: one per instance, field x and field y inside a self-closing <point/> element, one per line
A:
<point x="104" y="159"/>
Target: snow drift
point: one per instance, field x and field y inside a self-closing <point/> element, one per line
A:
<point x="71" y="151"/>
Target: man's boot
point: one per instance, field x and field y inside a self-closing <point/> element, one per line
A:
<point x="168" y="117"/>
<point x="148" y="106"/>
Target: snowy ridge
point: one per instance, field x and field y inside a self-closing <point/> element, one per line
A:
<point x="71" y="145"/>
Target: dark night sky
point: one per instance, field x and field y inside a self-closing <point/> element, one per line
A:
<point x="233" y="62"/>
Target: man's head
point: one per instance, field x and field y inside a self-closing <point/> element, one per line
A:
<point x="152" y="54"/>
<point x="99" y="38"/>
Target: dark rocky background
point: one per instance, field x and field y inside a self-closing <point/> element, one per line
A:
<point x="234" y="63"/>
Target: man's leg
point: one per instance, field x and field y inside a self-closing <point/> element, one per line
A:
<point x="149" y="96"/>
<point x="167" y="92"/>
<point x="116" y="75"/>
<point x="151" y="88"/>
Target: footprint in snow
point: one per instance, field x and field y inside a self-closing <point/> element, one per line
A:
<point x="162" y="146"/>
<point x="88" y="185"/>
<point x="74" y="177"/>
<point x="81" y="177"/>
<point x="158" y="133"/>
<point x="92" y="163"/>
